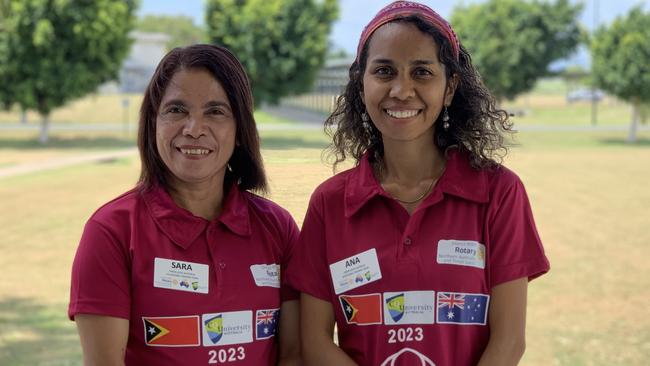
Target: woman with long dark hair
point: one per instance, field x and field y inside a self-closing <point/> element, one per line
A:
<point x="184" y="269"/>
<point x="422" y="252"/>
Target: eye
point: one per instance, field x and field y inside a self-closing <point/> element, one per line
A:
<point x="422" y="72"/>
<point x="383" y="71"/>
<point x="216" y="112"/>
<point x="175" y="109"/>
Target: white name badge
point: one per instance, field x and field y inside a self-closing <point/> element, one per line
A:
<point x="234" y="327"/>
<point x="355" y="271"/>
<point x="181" y="276"/>
<point x="461" y="253"/>
<point x="266" y="274"/>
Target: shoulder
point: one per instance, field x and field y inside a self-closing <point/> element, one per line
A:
<point x="121" y="207"/>
<point x="336" y="185"/>
<point x="261" y="206"/>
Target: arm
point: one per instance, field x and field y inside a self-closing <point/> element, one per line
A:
<point x="103" y="339"/>
<point x="317" y="330"/>
<point x="289" y="334"/>
<point x="507" y="319"/>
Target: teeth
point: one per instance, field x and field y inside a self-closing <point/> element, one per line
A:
<point x="195" y="151"/>
<point x="402" y="114"/>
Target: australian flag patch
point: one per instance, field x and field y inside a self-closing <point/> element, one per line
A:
<point x="461" y="308"/>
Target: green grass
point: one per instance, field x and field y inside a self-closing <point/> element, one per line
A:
<point x="589" y="193"/>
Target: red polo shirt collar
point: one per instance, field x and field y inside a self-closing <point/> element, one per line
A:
<point x="459" y="179"/>
<point x="183" y="228"/>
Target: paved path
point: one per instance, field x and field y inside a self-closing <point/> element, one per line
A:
<point x="31" y="167"/>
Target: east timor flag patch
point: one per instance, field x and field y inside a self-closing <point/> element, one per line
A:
<point x="176" y="331"/>
<point x="361" y="309"/>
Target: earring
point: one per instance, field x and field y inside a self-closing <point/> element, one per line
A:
<point x="229" y="167"/>
<point x="445" y="119"/>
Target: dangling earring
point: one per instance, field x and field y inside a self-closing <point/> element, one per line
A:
<point x="365" y="122"/>
<point x="445" y="119"/>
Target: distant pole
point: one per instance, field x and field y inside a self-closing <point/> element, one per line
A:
<point x="125" y="116"/>
<point x="594" y="101"/>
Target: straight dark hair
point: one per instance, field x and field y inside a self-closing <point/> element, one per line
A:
<point x="246" y="167"/>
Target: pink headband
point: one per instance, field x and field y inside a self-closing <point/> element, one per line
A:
<point x="405" y="9"/>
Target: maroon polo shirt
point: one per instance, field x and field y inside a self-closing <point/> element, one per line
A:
<point x="428" y="301"/>
<point x="195" y="292"/>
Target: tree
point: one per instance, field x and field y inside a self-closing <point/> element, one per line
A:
<point x="512" y="42"/>
<point x="281" y="43"/>
<point x="620" y="65"/>
<point x="56" y="50"/>
<point x="181" y="29"/>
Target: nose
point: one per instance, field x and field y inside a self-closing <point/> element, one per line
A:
<point x="194" y="127"/>
<point x="402" y="88"/>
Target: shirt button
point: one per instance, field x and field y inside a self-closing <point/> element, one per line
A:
<point x="407" y="241"/>
<point x="222" y="265"/>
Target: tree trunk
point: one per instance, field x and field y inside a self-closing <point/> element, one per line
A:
<point x="45" y="129"/>
<point x="634" y="126"/>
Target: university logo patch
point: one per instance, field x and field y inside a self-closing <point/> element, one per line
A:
<point x="234" y="327"/>
<point x="266" y="322"/>
<point x="409" y="307"/>
<point x="395" y="306"/>
<point x="361" y="309"/>
<point x="171" y="331"/>
<point x="460" y="308"/>
<point x="214" y="328"/>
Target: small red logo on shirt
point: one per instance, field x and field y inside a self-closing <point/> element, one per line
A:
<point x="362" y="309"/>
<point x="172" y="331"/>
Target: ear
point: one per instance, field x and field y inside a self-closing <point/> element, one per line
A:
<point x="452" y="83"/>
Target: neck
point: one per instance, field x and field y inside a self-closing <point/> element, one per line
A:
<point x="409" y="163"/>
<point x="204" y="199"/>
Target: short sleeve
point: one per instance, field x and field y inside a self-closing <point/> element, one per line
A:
<point x="515" y="250"/>
<point x="308" y="270"/>
<point x="100" y="275"/>
<point x="288" y="292"/>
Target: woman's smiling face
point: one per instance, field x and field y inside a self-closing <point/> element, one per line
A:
<point x="195" y="128"/>
<point x="404" y="84"/>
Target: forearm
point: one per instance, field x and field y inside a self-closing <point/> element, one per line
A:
<point x="324" y="352"/>
<point x="503" y="351"/>
<point x="290" y="361"/>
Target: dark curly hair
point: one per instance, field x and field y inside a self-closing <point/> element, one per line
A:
<point x="476" y="124"/>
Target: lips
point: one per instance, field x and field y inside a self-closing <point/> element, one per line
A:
<point x="402" y="113"/>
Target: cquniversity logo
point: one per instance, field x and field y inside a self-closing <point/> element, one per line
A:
<point x="395" y="307"/>
<point x="424" y="360"/>
<point x="214" y="328"/>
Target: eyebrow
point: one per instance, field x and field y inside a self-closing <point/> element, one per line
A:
<point x="210" y="104"/>
<point x="414" y="63"/>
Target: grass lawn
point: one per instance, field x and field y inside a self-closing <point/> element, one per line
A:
<point x="589" y="192"/>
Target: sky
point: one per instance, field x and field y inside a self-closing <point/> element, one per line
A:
<point x="354" y="14"/>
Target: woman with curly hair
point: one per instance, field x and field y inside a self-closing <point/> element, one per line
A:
<point x="422" y="252"/>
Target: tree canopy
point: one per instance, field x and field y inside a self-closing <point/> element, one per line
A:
<point x="621" y="54"/>
<point x="55" y="51"/>
<point x="281" y="43"/>
<point x="513" y="42"/>
<point x="181" y="29"/>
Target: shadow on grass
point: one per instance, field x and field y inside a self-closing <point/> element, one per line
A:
<point x="99" y="143"/>
<point x="287" y="143"/>
<point x="640" y="142"/>
<point x="37" y="334"/>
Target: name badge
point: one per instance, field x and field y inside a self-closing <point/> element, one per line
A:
<point x="266" y="275"/>
<point x="461" y="253"/>
<point x="182" y="276"/>
<point x="355" y="271"/>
